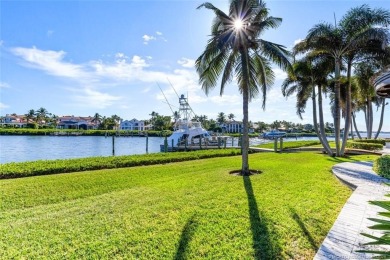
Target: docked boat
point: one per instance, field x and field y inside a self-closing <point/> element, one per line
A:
<point x="186" y="132"/>
<point x="273" y="134"/>
<point x="382" y="84"/>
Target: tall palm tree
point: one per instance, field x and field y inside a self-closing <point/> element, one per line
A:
<point x="303" y="79"/>
<point x="236" y="49"/>
<point x="346" y="40"/>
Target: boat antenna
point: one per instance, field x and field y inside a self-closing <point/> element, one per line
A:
<point x="192" y="111"/>
<point x="165" y="98"/>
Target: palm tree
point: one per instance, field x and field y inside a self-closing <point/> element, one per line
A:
<point x="221" y="118"/>
<point x="347" y="40"/>
<point x="97" y="119"/>
<point x="303" y="79"/>
<point x="231" y="116"/>
<point x="41" y="115"/>
<point x="30" y="115"/>
<point x="236" y="49"/>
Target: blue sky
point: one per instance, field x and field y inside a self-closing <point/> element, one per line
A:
<point x="82" y="57"/>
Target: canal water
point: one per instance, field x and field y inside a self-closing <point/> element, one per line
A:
<point x="31" y="148"/>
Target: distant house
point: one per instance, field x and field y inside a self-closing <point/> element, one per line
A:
<point x="234" y="127"/>
<point x="14" y="120"/>
<point x="132" y="125"/>
<point x="77" y="122"/>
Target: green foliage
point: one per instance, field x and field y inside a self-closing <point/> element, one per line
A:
<point x="382" y="166"/>
<point x="382" y="225"/>
<point x="44" y="167"/>
<point x="185" y="210"/>
<point x="364" y="146"/>
<point x="372" y="141"/>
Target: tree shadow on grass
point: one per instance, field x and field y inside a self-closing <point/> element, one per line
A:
<point x="306" y="232"/>
<point x="185" y="238"/>
<point x="263" y="246"/>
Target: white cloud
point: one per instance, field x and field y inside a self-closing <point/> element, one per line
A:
<point x="96" y="74"/>
<point x="186" y="63"/>
<point x="149" y="57"/>
<point x="148" y="38"/>
<point x="279" y="74"/>
<point x="298" y="41"/>
<point x="4" y="85"/>
<point x="50" y="62"/>
<point x="88" y="97"/>
<point x="159" y="33"/>
<point x="226" y="99"/>
<point x="3" y="106"/>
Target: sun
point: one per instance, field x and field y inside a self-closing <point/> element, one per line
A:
<point x="238" y="24"/>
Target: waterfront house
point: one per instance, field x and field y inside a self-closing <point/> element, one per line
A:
<point x="14" y="120"/>
<point x="132" y="125"/>
<point x="77" y="122"/>
<point x="234" y="127"/>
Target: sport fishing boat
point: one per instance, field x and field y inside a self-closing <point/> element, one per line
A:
<point x="186" y="131"/>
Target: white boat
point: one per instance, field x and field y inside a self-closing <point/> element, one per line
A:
<point x="273" y="134"/>
<point x="382" y="85"/>
<point x="186" y="131"/>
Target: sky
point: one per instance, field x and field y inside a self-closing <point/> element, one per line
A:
<point x="112" y="57"/>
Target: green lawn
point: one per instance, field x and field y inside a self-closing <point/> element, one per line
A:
<point x="191" y="210"/>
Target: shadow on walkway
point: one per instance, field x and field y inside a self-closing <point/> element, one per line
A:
<point x="306" y="232"/>
<point x="263" y="246"/>
<point x="185" y="238"/>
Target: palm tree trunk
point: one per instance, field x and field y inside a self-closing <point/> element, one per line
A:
<point x="352" y="134"/>
<point x="337" y="105"/>
<point x="369" y="116"/>
<point x="325" y="143"/>
<point x="313" y="97"/>
<point x="381" y="120"/>
<point x="366" y="117"/>
<point x="354" y="124"/>
<point x="245" y="102"/>
<point x="348" y="109"/>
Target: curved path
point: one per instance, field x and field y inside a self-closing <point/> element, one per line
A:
<point x="344" y="238"/>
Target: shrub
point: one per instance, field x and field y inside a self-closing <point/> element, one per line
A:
<point x="372" y="141"/>
<point x="382" y="224"/>
<point x="44" y="167"/>
<point x="364" y="146"/>
<point x="382" y="166"/>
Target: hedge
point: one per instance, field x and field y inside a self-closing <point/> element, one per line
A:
<point x="364" y="146"/>
<point x="372" y="141"/>
<point x="382" y="166"/>
<point x="44" y="167"/>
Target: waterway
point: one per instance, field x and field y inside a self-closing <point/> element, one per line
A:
<point x="31" y="148"/>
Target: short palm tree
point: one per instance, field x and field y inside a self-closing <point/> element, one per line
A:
<point x="235" y="49"/>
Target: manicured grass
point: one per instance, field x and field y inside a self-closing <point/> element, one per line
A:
<point x="184" y="210"/>
<point x="290" y="144"/>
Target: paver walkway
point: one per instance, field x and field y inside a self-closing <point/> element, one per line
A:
<point x="344" y="238"/>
